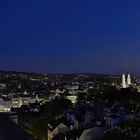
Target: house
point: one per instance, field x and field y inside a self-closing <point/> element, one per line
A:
<point x="99" y="109"/>
<point x="72" y="118"/>
<point x="60" y="129"/>
<point x="73" y="98"/>
<point x="95" y="133"/>
<point x="16" y="102"/>
<point x="89" y="115"/>
<point x="114" y="120"/>
<point x="5" y="105"/>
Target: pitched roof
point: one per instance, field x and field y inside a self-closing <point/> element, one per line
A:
<point x="92" y="133"/>
<point x="61" y="128"/>
<point x="10" y="131"/>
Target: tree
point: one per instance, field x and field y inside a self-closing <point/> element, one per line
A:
<point x="39" y="128"/>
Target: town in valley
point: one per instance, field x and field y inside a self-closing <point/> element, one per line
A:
<point x="41" y="106"/>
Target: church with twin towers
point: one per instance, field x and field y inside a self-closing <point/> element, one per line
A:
<point x="126" y="82"/>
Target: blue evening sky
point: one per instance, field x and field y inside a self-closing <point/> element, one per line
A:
<point x="69" y="36"/>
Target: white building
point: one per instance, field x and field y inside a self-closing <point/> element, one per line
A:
<point x="17" y="102"/>
<point x="5" y="106"/>
<point x="73" y="98"/>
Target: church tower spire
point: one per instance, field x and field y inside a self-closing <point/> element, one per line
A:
<point x="124" y="81"/>
<point x="128" y="80"/>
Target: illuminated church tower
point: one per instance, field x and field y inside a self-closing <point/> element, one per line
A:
<point x="129" y="80"/>
<point x="124" y="81"/>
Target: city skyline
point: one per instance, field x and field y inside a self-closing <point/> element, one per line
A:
<point x="70" y="36"/>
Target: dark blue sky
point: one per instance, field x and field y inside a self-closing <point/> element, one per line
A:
<point x="100" y="36"/>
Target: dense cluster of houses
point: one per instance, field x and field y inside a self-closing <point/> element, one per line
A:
<point x="93" y="120"/>
<point x="16" y="101"/>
